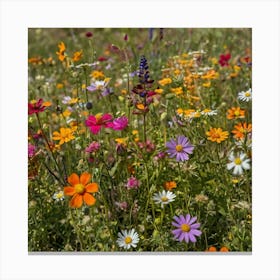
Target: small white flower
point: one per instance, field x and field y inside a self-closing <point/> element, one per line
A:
<point x="238" y="163"/>
<point x="58" y="196"/>
<point x="128" y="238"/>
<point x="208" y="112"/>
<point x="164" y="197"/>
<point x="245" y="95"/>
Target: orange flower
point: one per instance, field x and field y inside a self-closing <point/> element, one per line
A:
<point x="170" y="185"/>
<point x="224" y="249"/>
<point x="217" y="135"/>
<point x="241" y="129"/>
<point x="77" y="55"/>
<point x="212" y="249"/>
<point x="80" y="190"/>
<point x="61" y="52"/>
<point x="235" y="113"/>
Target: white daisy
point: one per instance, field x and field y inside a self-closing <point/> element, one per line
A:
<point x="128" y="238"/>
<point x="238" y="163"/>
<point x="58" y="196"/>
<point x="245" y="95"/>
<point x="164" y="197"/>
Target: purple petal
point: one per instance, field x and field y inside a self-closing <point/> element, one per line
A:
<point x="182" y="219"/>
<point x="182" y="236"/>
<point x="188" y="149"/>
<point x="171" y="144"/>
<point x="182" y="140"/>
<point x="187" y="238"/>
<point x="175" y="224"/>
<point x="195" y="232"/>
<point x="177" y="219"/>
<point x="177" y="232"/>
<point x="193" y="219"/>
<point x="91" y="88"/>
<point x="197" y="225"/>
<point x="188" y="216"/>
<point x="192" y="238"/>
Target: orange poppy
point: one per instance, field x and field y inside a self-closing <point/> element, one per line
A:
<point x="81" y="190"/>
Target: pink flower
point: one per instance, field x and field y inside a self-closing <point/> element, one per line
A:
<point x="36" y="107"/>
<point x="132" y="183"/>
<point x="31" y="150"/>
<point x="92" y="147"/>
<point x="95" y="123"/>
<point x="224" y="58"/>
<point x="120" y="123"/>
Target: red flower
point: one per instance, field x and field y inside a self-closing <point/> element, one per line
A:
<point x="96" y="122"/>
<point x="224" y="58"/>
<point x="36" y="107"/>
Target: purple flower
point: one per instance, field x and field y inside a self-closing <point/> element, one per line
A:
<point x="31" y="150"/>
<point x="181" y="148"/>
<point x="186" y="228"/>
<point x="132" y="183"/>
<point x="120" y="123"/>
<point x="92" y="147"/>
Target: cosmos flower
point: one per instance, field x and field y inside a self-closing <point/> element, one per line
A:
<point x="238" y="163"/>
<point x="179" y="148"/>
<point x="128" y="238"/>
<point x="93" y="147"/>
<point x="164" y="197"/>
<point x="245" y="95"/>
<point x="81" y="190"/>
<point x="35" y="107"/>
<point x="187" y="229"/>
<point x="95" y="123"/>
<point x="120" y="123"/>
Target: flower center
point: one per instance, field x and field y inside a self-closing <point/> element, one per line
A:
<point x="79" y="188"/>
<point x="179" y="148"/>
<point x="236" y="113"/>
<point x="164" y="199"/>
<point x="185" y="228"/>
<point x="128" y="240"/>
<point x="247" y="94"/>
<point x="59" y="195"/>
<point x="237" y="161"/>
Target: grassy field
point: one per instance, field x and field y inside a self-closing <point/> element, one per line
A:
<point x="139" y="140"/>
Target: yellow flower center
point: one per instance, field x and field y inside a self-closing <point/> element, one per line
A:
<point x="179" y="148"/>
<point x="79" y="188"/>
<point x="164" y="199"/>
<point x="237" y="161"/>
<point x="128" y="240"/>
<point x="247" y="94"/>
<point x="185" y="228"/>
<point x="59" y="195"/>
<point x="236" y="113"/>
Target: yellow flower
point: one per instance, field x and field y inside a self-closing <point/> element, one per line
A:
<point x="217" y="135"/>
<point x="122" y="141"/>
<point x="159" y="90"/>
<point x="65" y="135"/>
<point x="61" y="52"/>
<point x="177" y="91"/>
<point x="97" y="74"/>
<point x="66" y="113"/>
<point x="165" y="81"/>
<point x="208" y="84"/>
<point x="77" y="55"/>
<point x="59" y="86"/>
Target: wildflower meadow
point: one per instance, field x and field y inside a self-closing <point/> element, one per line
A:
<point x="139" y="140"/>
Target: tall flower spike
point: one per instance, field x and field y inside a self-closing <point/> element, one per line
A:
<point x="144" y="72"/>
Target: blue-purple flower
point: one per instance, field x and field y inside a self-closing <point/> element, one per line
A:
<point x="179" y="148"/>
<point x="187" y="229"/>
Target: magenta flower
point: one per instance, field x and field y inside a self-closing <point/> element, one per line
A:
<point x="31" y="150"/>
<point x="95" y="123"/>
<point x="181" y="148"/>
<point x="34" y="108"/>
<point x="92" y="147"/>
<point x="120" y="123"/>
<point x="132" y="183"/>
<point x="186" y="230"/>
